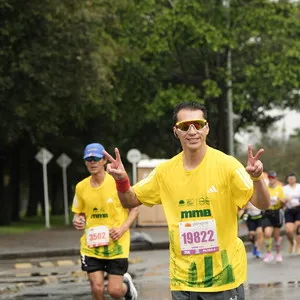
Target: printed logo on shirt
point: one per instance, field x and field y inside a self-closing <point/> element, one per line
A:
<point x="181" y="202"/>
<point x="190" y="202"/>
<point x="187" y="214"/>
<point x="197" y="201"/>
<point x="212" y="189"/>
<point x="99" y="216"/>
<point x="204" y="201"/>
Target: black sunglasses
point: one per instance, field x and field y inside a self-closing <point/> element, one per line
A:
<point x="93" y="158"/>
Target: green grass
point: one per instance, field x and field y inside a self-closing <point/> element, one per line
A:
<point x="27" y="224"/>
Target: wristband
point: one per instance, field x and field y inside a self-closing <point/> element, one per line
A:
<point x="257" y="178"/>
<point x="123" y="185"/>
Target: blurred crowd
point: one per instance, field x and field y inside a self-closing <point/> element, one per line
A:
<point x="283" y="215"/>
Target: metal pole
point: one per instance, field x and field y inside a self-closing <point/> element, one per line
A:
<point x="46" y="199"/>
<point x="229" y="105"/>
<point x="230" y="133"/>
<point x="134" y="173"/>
<point x="65" y="186"/>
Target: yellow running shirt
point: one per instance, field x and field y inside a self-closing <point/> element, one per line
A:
<point x="101" y="206"/>
<point x="276" y="194"/>
<point x="201" y="210"/>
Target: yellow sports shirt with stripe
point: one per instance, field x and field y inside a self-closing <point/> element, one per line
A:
<point x="101" y="206"/>
<point x="207" y="195"/>
<point x="276" y="194"/>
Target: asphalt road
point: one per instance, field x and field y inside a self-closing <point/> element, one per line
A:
<point x="61" y="278"/>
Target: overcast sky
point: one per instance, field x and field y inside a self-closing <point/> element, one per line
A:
<point x="290" y="122"/>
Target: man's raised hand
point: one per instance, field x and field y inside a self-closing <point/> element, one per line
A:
<point x="254" y="165"/>
<point x="115" y="168"/>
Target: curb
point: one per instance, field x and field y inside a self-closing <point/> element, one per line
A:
<point x="135" y="246"/>
<point x="140" y="246"/>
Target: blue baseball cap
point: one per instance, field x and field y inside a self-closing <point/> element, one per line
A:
<point x="94" y="149"/>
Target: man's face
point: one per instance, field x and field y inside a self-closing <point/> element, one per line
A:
<point x="272" y="180"/>
<point x="94" y="166"/>
<point x="193" y="138"/>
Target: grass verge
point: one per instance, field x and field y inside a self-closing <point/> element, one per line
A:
<point x="27" y="224"/>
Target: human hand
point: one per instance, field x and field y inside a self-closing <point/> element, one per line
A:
<point x="254" y="165"/>
<point x="115" y="168"/>
<point x="79" y="221"/>
<point x="116" y="233"/>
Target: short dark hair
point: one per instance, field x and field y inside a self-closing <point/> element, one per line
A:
<point x="193" y="105"/>
<point x="292" y="174"/>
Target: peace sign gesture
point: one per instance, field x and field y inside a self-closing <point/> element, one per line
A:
<point x="254" y="165"/>
<point x="115" y="168"/>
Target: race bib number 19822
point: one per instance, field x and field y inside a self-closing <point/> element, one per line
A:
<point x="198" y="237"/>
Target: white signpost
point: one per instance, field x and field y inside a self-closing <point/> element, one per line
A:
<point x="134" y="156"/>
<point x="44" y="156"/>
<point x="63" y="161"/>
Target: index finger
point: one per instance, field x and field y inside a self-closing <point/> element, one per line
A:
<point x="259" y="154"/>
<point x="108" y="156"/>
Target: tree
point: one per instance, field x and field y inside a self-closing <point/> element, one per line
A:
<point x="177" y="50"/>
<point x="56" y="61"/>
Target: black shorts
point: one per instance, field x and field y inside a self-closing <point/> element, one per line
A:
<point x="273" y="218"/>
<point x="253" y="224"/>
<point x="292" y="214"/>
<point x="118" y="266"/>
<point x="237" y="293"/>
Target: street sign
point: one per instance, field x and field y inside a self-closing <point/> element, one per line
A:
<point x="134" y="156"/>
<point x="63" y="161"/>
<point x="44" y="156"/>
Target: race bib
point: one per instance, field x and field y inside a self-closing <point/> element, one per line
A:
<point x="198" y="237"/>
<point x="97" y="236"/>
<point x="274" y="200"/>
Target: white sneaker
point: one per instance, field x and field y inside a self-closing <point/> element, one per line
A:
<point x="132" y="292"/>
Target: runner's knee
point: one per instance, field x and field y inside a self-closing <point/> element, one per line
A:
<point x="115" y="292"/>
<point x="298" y="230"/>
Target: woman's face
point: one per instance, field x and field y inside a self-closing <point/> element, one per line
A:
<point x="291" y="180"/>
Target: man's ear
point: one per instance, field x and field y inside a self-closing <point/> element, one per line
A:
<point x="207" y="129"/>
<point x="175" y="134"/>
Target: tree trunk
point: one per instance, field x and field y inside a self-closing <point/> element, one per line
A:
<point x="15" y="182"/>
<point x="36" y="188"/>
<point x="5" y="203"/>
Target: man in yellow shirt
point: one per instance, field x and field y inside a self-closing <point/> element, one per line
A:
<point x="106" y="239"/>
<point x="200" y="190"/>
<point x="273" y="218"/>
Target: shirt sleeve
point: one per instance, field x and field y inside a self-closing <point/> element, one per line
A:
<point x="78" y="205"/>
<point x="281" y="193"/>
<point x="148" y="189"/>
<point x="241" y="185"/>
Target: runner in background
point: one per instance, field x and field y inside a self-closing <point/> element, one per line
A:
<point x="292" y="212"/>
<point x="273" y="218"/>
<point x="253" y="218"/>
<point x="105" y="243"/>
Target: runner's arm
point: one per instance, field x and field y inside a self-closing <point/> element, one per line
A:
<point x="261" y="196"/>
<point x="129" y="198"/>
